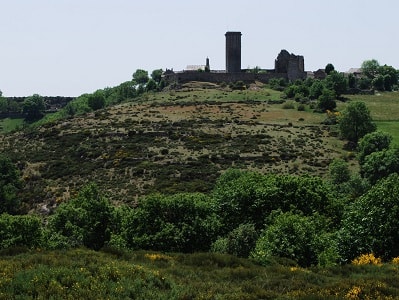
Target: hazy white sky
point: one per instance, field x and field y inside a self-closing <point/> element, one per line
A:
<point x="71" y="47"/>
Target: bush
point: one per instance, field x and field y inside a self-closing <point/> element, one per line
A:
<point x="373" y="142"/>
<point x="83" y="221"/>
<point x="10" y="183"/>
<point x="16" y="231"/>
<point x="339" y="171"/>
<point x="371" y="223"/>
<point x="380" y="164"/>
<point x="179" y="223"/>
<point x="239" y="242"/>
<point x="290" y="236"/>
<point x="244" y="197"/>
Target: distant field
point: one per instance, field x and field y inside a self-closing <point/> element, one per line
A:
<point x="8" y="124"/>
<point x="384" y="109"/>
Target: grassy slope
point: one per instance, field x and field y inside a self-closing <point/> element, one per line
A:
<point x="8" y="124"/>
<point x="170" y="142"/>
<point x="84" y="274"/>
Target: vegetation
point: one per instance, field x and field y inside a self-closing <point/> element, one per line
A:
<point x="201" y="173"/>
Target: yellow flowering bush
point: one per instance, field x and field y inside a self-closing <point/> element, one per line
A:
<point x="367" y="259"/>
<point x="353" y="293"/>
<point x="395" y="260"/>
<point x="157" y="256"/>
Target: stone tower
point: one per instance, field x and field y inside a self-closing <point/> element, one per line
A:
<point x="233" y="52"/>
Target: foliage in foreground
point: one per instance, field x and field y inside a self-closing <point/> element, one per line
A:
<point x="85" y="274"/>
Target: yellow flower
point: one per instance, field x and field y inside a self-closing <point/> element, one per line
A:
<point x="367" y="259"/>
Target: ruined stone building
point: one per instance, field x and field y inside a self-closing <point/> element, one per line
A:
<point x="288" y="66"/>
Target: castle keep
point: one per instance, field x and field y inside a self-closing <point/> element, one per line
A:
<point x="288" y="66"/>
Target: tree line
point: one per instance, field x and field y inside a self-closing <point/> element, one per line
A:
<point x="325" y="92"/>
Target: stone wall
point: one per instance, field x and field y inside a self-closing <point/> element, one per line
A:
<point x="182" y="77"/>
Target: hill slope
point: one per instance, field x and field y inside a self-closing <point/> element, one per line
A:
<point x="174" y="141"/>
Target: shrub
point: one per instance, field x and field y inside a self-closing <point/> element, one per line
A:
<point x="373" y="142"/>
<point x="239" y="242"/>
<point x="371" y="223"/>
<point x="83" y="221"/>
<point x="179" y="223"/>
<point x="244" y="197"/>
<point x="366" y="259"/>
<point x="290" y="236"/>
<point x="289" y="105"/>
<point x="20" y="231"/>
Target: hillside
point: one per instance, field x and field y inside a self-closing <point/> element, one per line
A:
<point x="169" y="142"/>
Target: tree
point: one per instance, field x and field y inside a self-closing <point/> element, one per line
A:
<point x="184" y="222"/>
<point x="339" y="171"/>
<point x="378" y="82"/>
<point x="34" y="107"/>
<point x="156" y="75"/>
<point x="352" y="81"/>
<point x="20" y="231"/>
<point x="249" y="197"/>
<point x="151" y="85"/>
<point x="371" y="223"/>
<point x="291" y="236"/>
<point x="329" y="68"/>
<point x="380" y="164"/>
<point x="97" y="100"/>
<point x="10" y="183"/>
<point x="140" y="76"/>
<point x="316" y="89"/>
<point x="239" y="242"/>
<point x="370" y="68"/>
<point x="373" y="142"/>
<point x="326" y="100"/>
<point x="337" y="82"/>
<point x="84" y="220"/>
<point x="355" y="122"/>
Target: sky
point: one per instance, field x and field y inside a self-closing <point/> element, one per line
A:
<point x="71" y="47"/>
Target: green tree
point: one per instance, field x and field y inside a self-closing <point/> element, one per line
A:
<point x="239" y="242"/>
<point x="326" y="100"/>
<point x="378" y="82"/>
<point x="156" y="75"/>
<point x="352" y="81"/>
<point x="371" y="223"/>
<point x="316" y="89"/>
<point x="380" y="164"/>
<point x="96" y="100"/>
<point x="329" y="68"/>
<point x="84" y="220"/>
<point x="390" y="75"/>
<point x="179" y="223"/>
<point x="3" y="105"/>
<point x="292" y="236"/>
<point x="339" y="171"/>
<point x="16" y="231"/>
<point x="34" y="107"/>
<point x="337" y="82"/>
<point x="151" y="85"/>
<point x="249" y="197"/>
<point x="355" y="121"/>
<point x="373" y="142"/>
<point x="370" y="68"/>
<point x="140" y="76"/>
<point x="10" y="183"/>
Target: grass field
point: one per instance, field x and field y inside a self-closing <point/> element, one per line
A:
<point x="85" y="274"/>
<point x="384" y="109"/>
<point x="8" y="124"/>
